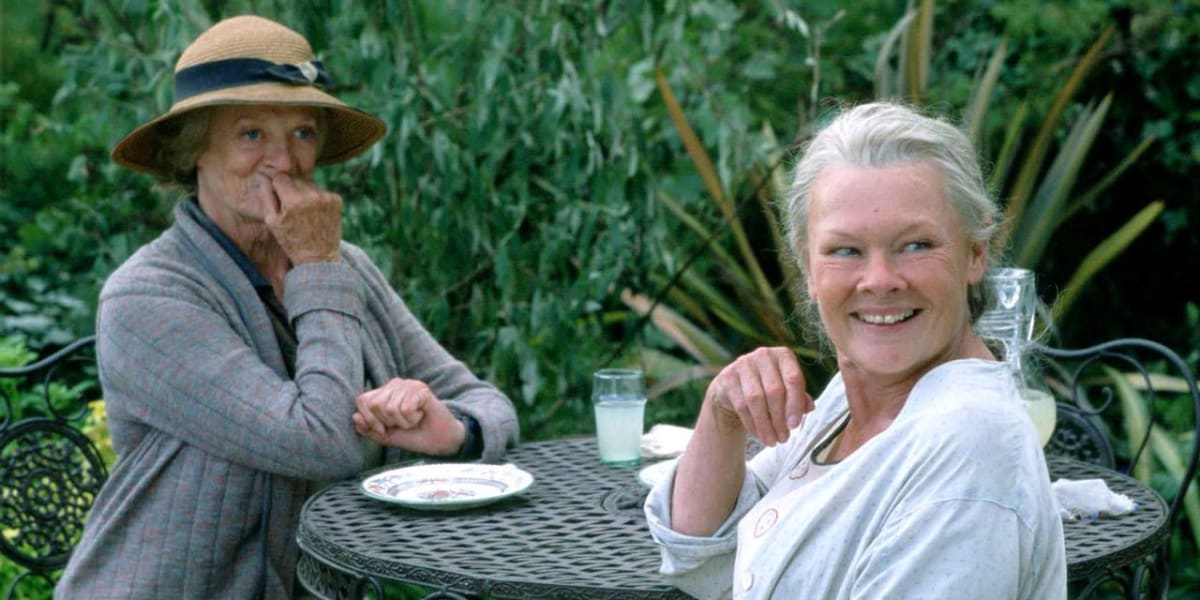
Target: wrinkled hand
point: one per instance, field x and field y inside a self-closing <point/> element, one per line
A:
<point x="761" y="392"/>
<point x="306" y="221"/>
<point x="404" y="413"/>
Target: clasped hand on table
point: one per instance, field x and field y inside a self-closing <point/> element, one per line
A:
<point x="404" y="413"/>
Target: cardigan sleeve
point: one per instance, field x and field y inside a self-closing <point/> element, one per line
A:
<point x="420" y="356"/>
<point x="170" y="360"/>
<point x="703" y="567"/>
<point x="700" y="566"/>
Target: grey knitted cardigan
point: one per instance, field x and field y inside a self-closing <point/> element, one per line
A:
<point x="206" y="421"/>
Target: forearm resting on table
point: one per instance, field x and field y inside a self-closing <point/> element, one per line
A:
<point x="709" y="477"/>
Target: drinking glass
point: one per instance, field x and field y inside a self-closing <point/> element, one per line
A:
<point x="1010" y="316"/>
<point x="1009" y="320"/>
<point x="619" y="397"/>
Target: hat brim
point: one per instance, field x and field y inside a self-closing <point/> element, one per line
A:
<point x="348" y="133"/>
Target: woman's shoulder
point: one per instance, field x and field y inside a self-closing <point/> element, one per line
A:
<point x="157" y="260"/>
<point x="964" y="388"/>
<point x="358" y="259"/>
<point x="982" y="376"/>
<point x="968" y="408"/>
<point x="355" y="254"/>
<point x="176" y="265"/>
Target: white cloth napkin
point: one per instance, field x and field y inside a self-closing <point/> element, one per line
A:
<point x="1089" y="499"/>
<point x="665" y="441"/>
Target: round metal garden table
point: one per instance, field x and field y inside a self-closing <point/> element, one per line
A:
<point x="579" y="532"/>
<point x="1101" y="547"/>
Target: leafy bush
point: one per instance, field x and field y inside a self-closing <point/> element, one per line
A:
<point x="23" y="399"/>
<point x="532" y="170"/>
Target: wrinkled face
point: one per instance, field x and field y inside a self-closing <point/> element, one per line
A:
<point x="245" y="148"/>
<point x="889" y="263"/>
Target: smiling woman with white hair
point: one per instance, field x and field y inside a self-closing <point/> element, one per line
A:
<point x="249" y="352"/>
<point x="916" y="473"/>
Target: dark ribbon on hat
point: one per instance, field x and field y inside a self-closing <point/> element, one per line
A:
<point x="233" y="72"/>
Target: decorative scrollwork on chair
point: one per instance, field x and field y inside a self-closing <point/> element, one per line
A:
<point x="1080" y="434"/>
<point x="50" y="473"/>
<point x="1086" y="378"/>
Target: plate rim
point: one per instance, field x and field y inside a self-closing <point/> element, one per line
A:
<point x="525" y="481"/>
<point x="656" y="465"/>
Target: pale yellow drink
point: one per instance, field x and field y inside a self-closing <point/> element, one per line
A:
<point x="619" y="429"/>
<point x="1041" y="410"/>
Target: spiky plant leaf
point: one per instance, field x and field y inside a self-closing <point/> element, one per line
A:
<point x="1103" y="254"/>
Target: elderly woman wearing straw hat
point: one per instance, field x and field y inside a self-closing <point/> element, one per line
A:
<point x="249" y="352"/>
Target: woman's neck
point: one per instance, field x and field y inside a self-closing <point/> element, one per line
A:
<point x="875" y="401"/>
<point x="873" y="406"/>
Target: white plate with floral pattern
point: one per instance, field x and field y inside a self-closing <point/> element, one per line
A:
<point x="447" y="486"/>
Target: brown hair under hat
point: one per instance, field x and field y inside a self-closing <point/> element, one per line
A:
<point x="251" y="60"/>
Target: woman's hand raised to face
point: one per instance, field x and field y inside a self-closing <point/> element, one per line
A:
<point x="306" y="221"/>
<point x="404" y="413"/>
<point x="762" y="392"/>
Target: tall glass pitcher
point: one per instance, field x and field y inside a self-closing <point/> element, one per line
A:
<point x="1008" y="323"/>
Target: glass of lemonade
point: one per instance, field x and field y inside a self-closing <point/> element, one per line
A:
<point x="1042" y="411"/>
<point x="1009" y="320"/>
<point x="619" y="396"/>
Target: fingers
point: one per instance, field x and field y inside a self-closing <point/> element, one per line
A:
<point x="400" y="403"/>
<point x="288" y="190"/>
<point x="293" y="192"/>
<point x="261" y="192"/>
<point x="299" y="197"/>
<point x="368" y="420"/>
<point x="440" y="433"/>
<point x="405" y="407"/>
<point x="363" y="428"/>
<point x="755" y="406"/>
<point x="766" y="390"/>
<point x="307" y="223"/>
<point x="798" y="401"/>
<point x="404" y="413"/>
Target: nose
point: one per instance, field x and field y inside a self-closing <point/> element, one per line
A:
<point x="279" y="157"/>
<point x="880" y="274"/>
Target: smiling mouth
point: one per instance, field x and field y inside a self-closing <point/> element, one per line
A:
<point x="888" y="319"/>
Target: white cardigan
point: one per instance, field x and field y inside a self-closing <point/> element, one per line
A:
<point x="952" y="500"/>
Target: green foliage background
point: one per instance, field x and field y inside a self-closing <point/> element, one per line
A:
<point x="520" y="188"/>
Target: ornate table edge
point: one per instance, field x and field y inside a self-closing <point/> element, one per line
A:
<point x="1143" y="550"/>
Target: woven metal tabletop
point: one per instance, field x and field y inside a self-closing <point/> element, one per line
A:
<point x="578" y="532"/>
<point x="1097" y="545"/>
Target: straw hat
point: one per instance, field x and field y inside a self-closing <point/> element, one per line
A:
<point x="252" y="60"/>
